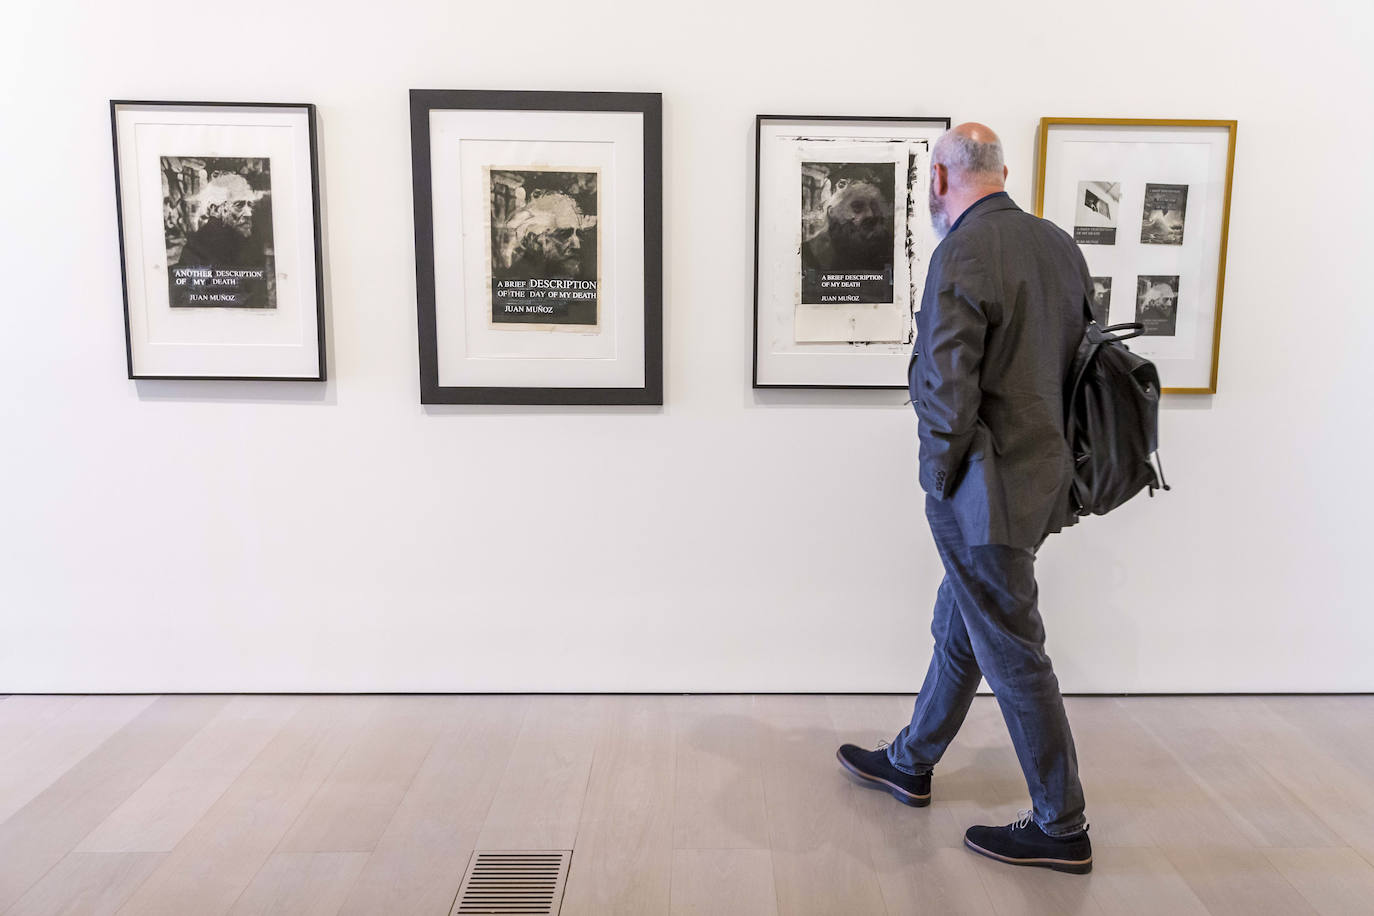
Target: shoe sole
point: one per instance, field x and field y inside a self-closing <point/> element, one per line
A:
<point x="909" y="799"/>
<point x="1071" y="866"/>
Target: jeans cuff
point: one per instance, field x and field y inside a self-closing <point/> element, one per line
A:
<point x="1072" y="831"/>
<point x="907" y="770"/>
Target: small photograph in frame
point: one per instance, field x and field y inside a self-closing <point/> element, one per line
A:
<point x="1166" y="206"/>
<point x="1102" y="300"/>
<point x="1156" y="305"/>
<point x="218" y="212"/>
<point x="1175" y="176"/>
<point x="1096" y="212"/>
<point x="842" y="241"/>
<point x="538" y="246"/>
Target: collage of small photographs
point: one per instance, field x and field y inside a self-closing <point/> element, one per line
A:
<point x="1163" y="216"/>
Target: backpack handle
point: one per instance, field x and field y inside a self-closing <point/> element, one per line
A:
<point x="1134" y="329"/>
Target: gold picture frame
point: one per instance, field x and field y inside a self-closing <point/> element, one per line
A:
<point x="1043" y="146"/>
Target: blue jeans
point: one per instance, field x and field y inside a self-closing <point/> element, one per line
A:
<point x="987" y="624"/>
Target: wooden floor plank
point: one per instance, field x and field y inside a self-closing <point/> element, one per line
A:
<point x="1203" y="734"/>
<point x="88" y="883"/>
<point x="623" y="861"/>
<point x="711" y="882"/>
<point x="41" y="833"/>
<point x="301" y="884"/>
<point x="919" y="880"/>
<point x="79" y="729"/>
<point x="1336" y="882"/>
<point x="167" y="806"/>
<point x="1237" y="882"/>
<point x="718" y="788"/>
<point x="1316" y="759"/>
<point x="1036" y="891"/>
<point x="421" y="857"/>
<point x="539" y="801"/>
<point x="21" y="717"/>
<point x="1342" y="726"/>
<point x="1139" y="881"/>
<point x="218" y="859"/>
<point x="821" y="863"/>
<point x="353" y="807"/>
<point x="1140" y="789"/>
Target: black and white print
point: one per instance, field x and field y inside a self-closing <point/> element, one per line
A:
<point x="848" y="232"/>
<point x="1102" y="299"/>
<point x="545" y="267"/>
<point x="1165" y="209"/>
<point x="1156" y="305"/>
<point x="217" y="226"/>
<point x="1095" y="213"/>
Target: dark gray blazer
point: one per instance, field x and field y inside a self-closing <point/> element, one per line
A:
<point x="1000" y="320"/>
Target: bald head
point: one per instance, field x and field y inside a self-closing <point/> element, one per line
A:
<point x="965" y="166"/>
<point x="972" y="155"/>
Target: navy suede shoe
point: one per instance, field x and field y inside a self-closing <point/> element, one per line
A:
<point x="877" y="771"/>
<point x="1024" y="843"/>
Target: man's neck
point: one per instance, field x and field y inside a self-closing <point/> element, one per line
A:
<point x="967" y="199"/>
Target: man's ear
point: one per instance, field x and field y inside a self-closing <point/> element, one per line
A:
<point x="940" y="175"/>
<point x="1005" y="173"/>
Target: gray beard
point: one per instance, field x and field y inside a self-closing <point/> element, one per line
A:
<point x="939" y="217"/>
<point x="940" y="223"/>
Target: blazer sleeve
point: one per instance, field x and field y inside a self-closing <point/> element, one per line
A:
<point x="945" y="379"/>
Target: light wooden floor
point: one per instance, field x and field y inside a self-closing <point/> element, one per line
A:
<point x="674" y="805"/>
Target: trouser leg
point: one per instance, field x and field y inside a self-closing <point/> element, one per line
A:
<point x="994" y="588"/>
<point x="951" y="682"/>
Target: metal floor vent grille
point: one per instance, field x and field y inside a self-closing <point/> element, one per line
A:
<point x="525" y="883"/>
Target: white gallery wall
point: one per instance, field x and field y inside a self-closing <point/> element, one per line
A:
<point x="200" y="536"/>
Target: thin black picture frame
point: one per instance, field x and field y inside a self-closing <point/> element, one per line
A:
<point x="650" y="106"/>
<point x="312" y="130"/>
<point x="758" y="163"/>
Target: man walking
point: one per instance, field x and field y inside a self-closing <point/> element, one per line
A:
<point x="1000" y="320"/>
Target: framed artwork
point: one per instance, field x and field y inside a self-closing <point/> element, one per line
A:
<point x="218" y="206"/>
<point x="538" y="246"/>
<point x="842" y="239"/>
<point x="1149" y="203"/>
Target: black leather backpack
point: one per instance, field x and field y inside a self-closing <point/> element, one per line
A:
<point x="1112" y="420"/>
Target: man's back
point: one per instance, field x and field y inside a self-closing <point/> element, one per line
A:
<point x="1000" y="320"/>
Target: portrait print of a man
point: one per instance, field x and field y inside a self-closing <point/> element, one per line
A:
<point x="217" y="224"/>
<point x="848" y="231"/>
<point x="544" y="253"/>
<point x="1156" y="305"/>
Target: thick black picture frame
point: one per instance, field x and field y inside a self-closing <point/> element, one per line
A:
<point x="647" y="104"/>
<point x="322" y="374"/>
<point x="758" y="162"/>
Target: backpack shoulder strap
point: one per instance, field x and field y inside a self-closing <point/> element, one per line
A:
<point x="1082" y="361"/>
